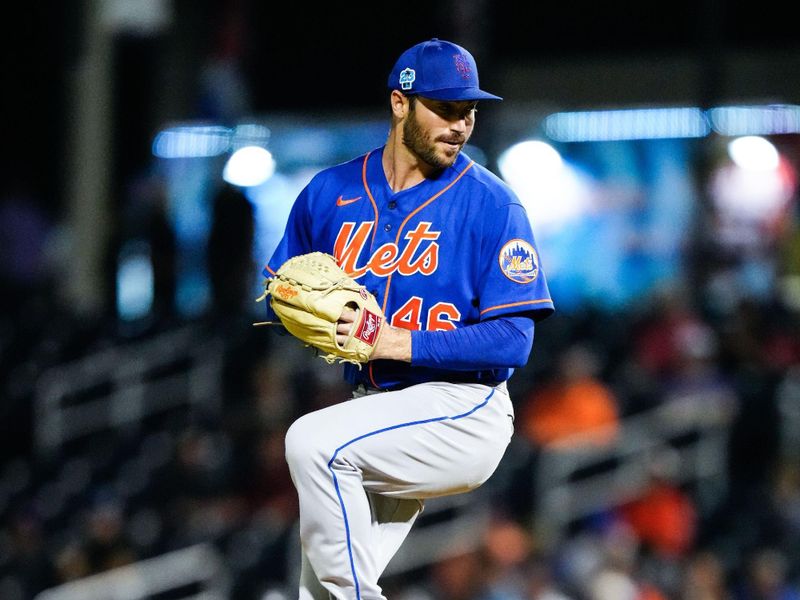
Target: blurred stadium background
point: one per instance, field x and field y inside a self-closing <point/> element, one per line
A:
<point x="153" y="149"/>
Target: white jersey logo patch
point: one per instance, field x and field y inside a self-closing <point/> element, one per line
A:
<point x="519" y="261"/>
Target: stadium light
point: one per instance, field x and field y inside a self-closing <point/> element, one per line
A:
<point x="753" y="153"/>
<point x="249" y="166"/>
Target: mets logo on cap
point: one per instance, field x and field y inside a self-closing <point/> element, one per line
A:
<point x="462" y="66"/>
<point x="518" y="261"/>
<point x="407" y="77"/>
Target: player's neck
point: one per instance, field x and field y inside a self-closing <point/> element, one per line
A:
<point x="403" y="169"/>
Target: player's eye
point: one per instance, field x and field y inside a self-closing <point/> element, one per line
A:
<point x="455" y="113"/>
<point x="445" y="111"/>
<point x="467" y="114"/>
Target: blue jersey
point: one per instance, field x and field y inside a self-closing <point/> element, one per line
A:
<point x="448" y="252"/>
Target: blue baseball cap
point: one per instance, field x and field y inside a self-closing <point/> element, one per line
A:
<point x="438" y="70"/>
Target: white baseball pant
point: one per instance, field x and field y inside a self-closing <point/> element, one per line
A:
<point x="363" y="468"/>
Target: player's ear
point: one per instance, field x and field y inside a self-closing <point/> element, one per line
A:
<point x="399" y="104"/>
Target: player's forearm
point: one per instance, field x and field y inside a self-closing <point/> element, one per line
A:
<point x="505" y="342"/>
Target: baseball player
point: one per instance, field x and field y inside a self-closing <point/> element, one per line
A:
<point x="447" y="250"/>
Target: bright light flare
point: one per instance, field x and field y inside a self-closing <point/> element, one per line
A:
<point x="192" y="142"/>
<point x="249" y="166"/>
<point x="550" y="190"/>
<point x="528" y="158"/>
<point x="754" y="153"/>
<point x="629" y="124"/>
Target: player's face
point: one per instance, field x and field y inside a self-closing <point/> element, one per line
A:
<point x="436" y="130"/>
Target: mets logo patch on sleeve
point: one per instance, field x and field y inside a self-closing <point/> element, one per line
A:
<point x="518" y="261"/>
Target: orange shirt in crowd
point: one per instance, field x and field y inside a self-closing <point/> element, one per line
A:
<point x="664" y="518"/>
<point x="562" y="410"/>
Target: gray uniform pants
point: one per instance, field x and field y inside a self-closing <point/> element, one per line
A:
<point x="363" y="469"/>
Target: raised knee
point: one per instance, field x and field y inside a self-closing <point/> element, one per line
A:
<point x="302" y="443"/>
<point x="295" y="442"/>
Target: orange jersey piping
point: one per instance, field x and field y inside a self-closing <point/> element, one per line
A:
<point x="372" y="377"/>
<point x="371" y="199"/>
<point x="499" y="306"/>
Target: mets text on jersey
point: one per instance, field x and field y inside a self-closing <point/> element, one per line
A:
<point x="420" y="255"/>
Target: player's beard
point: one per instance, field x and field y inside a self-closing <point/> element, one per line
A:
<point x="416" y="140"/>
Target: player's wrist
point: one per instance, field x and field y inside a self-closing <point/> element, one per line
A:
<point x="393" y="343"/>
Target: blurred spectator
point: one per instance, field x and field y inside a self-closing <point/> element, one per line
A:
<point x="611" y="585"/>
<point x="72" y="563"/>
<point x="662" y="337"/>
<point x="541" y="584"/>
<point x="576" y="408"/>
<point x="615" y="576"/>
<point x="664" y="517"/>
<point x="457" y="577"/>
<point x="506" y="548"/>
<point x="581" y="556"/>
<point x="230" y="261"/>
<point x="754" y="443"/>
<point x="106" y="545"/>
<point x="24" y="232"/>
<point x="766" y="578"/>
<point x="705" y="578"/>
<point x="696" y="391"/>
<point x="27" y="560"/>
<point x="197" y="488"/>
<point x="786" y="502"/>
<point x="744" y="333"/>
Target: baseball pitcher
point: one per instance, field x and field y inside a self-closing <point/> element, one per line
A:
<point x="418" y="269"/>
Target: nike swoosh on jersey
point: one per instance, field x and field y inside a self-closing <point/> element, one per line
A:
<point x="344" y="202"/>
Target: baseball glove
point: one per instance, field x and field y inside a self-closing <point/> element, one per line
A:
<point x="309" y="293"/>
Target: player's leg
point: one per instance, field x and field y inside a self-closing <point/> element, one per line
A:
<point x="425" y="441"/>
<point x="336" y="529"/>
<point x="310" y="587"/>
<point x="445" y="439"/>
<point x="392" y="519"/>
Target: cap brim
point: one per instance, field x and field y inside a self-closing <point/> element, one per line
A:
<point x="458" y="94"/>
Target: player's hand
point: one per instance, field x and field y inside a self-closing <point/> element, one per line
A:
<point x="393" y="343"/>
<point x="344" y="325"/>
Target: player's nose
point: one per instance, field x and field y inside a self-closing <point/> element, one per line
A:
<point x="458" y="126"/>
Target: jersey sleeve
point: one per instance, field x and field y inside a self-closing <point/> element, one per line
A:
<point x="512" y="280"/>
<point x="297" y="235"/>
